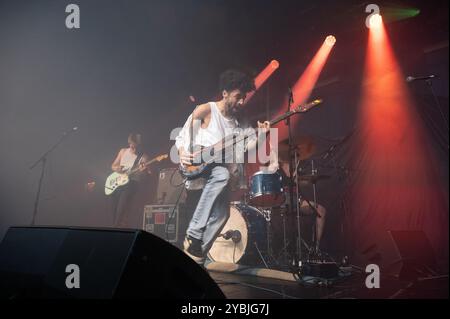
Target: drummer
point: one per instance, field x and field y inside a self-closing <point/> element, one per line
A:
<point x="308" y="208"/>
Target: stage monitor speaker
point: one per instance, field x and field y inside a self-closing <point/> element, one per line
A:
<point x="49" y="262"/>
<point x="405" y="254"/>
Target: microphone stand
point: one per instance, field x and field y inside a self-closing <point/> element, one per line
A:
<point x="292" y="155"/>
<point x="43" y="159"/>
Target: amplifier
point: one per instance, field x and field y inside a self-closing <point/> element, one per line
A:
<point x="170" y="187"/>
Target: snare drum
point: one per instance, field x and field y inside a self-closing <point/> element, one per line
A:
<point x="247" y="229"/>
<point x="266" y="189"/>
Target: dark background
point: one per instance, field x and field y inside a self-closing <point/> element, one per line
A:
<point x="133" y="64"/>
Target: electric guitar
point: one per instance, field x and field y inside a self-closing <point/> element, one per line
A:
<point x="194" y="170"/>
<point x="116" y="180"/>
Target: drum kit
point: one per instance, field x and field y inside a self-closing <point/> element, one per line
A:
<point x="250" y="236"/>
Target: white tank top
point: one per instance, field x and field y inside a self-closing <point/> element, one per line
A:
<point x="219" y="127"/>
<point x="127" y="159"/>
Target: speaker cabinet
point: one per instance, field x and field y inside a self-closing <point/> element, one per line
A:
<point x="403" y="253"/>
<point x="112" y="263"/>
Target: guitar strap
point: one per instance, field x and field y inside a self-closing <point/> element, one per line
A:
<point x="136" y="161"/>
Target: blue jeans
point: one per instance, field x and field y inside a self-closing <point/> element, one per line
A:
<point x="213" y="209"/>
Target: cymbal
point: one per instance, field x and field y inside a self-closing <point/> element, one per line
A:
<point x="304" y="145"/>
<point x="313" y="178"/>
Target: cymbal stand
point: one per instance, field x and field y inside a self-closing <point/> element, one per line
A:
<point x="315" y="243"/>
<point x="267" y="213"/>
<point x="301" y="198"/>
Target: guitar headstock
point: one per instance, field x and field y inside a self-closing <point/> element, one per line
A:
<point x="161" y="157"/>
<point x="306" y="107"/>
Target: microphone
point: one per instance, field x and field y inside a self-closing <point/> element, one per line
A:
<point x="420" y="78"/>
<point x="234" y="235"/>
<point x="73" y="129"/>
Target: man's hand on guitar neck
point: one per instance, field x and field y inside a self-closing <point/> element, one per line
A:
<point x="186" y="158"/>
<point x="263" y="127"/>
<point x="143" y="167"/>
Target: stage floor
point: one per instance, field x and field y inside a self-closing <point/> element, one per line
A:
<point x="353" y="287"/>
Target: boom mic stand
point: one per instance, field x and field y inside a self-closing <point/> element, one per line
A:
<point x="43" y="159"/>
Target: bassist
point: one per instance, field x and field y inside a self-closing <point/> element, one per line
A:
<point x="215" y="119"/>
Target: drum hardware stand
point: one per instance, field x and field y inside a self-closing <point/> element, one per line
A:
<point x="270" y="257"/>
<point x="314" y="172"/>
<point x="297" y="253"/>
<point x="344" y="174"/>
<point x="285" y="241"/>
<point x="300" y="240"/>
<point x="312" y="251"/>
<point x="281" y="258"/>
<point x="438" y="104"/>
<point x="260" y="255"/>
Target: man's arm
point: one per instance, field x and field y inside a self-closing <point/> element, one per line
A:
<point x="200" y="116"/>
<point x="142" y="167"/>
<point x="116" y="164"/>
<point x="261" y="132"/>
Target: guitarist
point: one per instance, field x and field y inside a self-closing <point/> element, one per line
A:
<point x="215" y="119"/>
<point x="127" y="159"/>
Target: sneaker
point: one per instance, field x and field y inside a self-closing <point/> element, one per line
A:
<point x="193" y="248"/>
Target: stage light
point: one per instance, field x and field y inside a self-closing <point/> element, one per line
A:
<point x="274" y="64"/>
<point x="375" y="21"/>
<point x="397" y="187"/>
<point x="305" y="84"/>
<point x="262" y="77"/>
<point x="330" y="40"/>
<point x="391" y="14"/>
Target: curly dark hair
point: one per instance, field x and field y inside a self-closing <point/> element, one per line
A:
<point x="233" y="79"/>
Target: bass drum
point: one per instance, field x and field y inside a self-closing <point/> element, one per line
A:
<point x="242" y="236"/>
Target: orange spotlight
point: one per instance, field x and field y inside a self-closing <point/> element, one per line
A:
<point x="375" y="21"/>
<point x="263" y="76"/>
<point x="397" y="185"/>
<point x="305" y="84"/>
<point x="330" y="40"/>
<point x="274" y="64"/>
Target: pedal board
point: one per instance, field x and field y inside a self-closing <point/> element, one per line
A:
<point x="320" y="269"/>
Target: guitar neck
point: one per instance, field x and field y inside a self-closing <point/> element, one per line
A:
<point x="281" y="117"/>
<point x="145" y="164"/>
<point x="224" y="145"/>
<point x="300" y="109"/>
